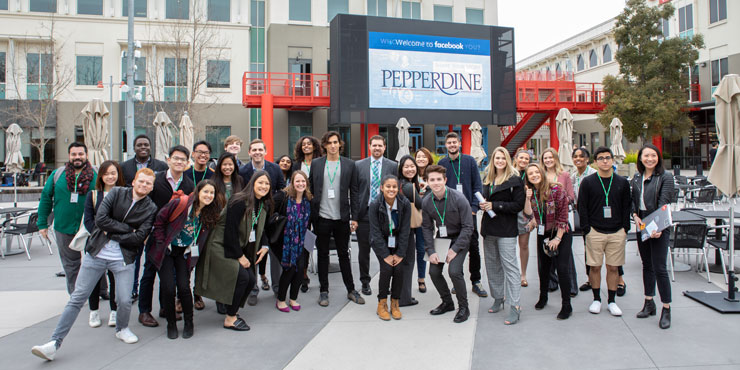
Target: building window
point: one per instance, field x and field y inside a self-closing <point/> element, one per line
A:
<point x="46" y="6"/>
<point x="665" y="28"/>
<point x="139" y="8"/>
<point x="594" y="141"/>
<point x="177" y="9"/>
<point x="377" y="7"/>
<point x="218" y="74"/>
<point x="91" y="7"/>
<point x="219" y="10"/>
<point x="296" y="132"/>
<point x="39" y="75"/>
<point x="255" y="124"/>
<point x="443" y="13"/>
<point x="593" y="60"/>
<point x="2" y="75"/>
<point x="335" y="7"/>
<point x="473" y="16"/>
<point x="216" y="135"/>
<point x="410" y="10"/>
<point x="717" y="10"/>
<point x="686" y="21"/>
<point x="557" y="68"/>
<point x="3" y="4"/>
<point x="607" y="55"/>
<point x="300" y="10"/>
<point x="175" y="79"/>
<point x="89" y="70"/>
<point x="719" y="70"/>
<point x="257" y="37"/>
<point x="568" y="66"/>
<point x="580" y="64"/>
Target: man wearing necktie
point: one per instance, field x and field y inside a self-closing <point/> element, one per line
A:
<point x="369" y="172"/>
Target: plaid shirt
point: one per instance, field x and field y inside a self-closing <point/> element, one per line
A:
<point x="556" y="210"/>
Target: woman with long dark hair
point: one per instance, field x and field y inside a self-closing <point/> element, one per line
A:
<point x="409" y="187"/>
<point x="547" y="203"/>
<point x="109" y="175"/>
<point x="226" y="177"/>
<point x="180" y="232"/>
<point x="225" y="272"/>
<point x="307" y="148"/>
<point x="652" y="187"/>
<point x="423" y="159"/>
<point x="286" y="167"/>
<point x="294" y="203"/>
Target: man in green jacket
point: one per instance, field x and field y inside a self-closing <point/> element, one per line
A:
<point x="64" y="194"/>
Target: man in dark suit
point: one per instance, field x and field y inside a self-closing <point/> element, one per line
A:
<point x="142" y="159"/>
<point x="257" y="152"/>
<point x="368" y="173"/>
<point x="334" y="188"/>
<point x="165" y="183"/>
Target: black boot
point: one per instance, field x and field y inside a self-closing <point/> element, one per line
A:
<point x="187" y="332"/>
<point x="565" y="311"/>
<point x="665" y="318"/>
<point x="542" y="302"/>
<point x="172" y="331"/>
<point x="648" y="309"/>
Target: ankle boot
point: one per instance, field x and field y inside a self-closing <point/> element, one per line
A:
<point x="395" y="311"/>
<point x="665" y="318"/>
<point x="565" y="311"/>
<point x="648" y="309"/>
<point x="383" y="309"/>
<point x="172" y="331"/>
<point x="187" y="332"/>
<point x="542" y="302"/>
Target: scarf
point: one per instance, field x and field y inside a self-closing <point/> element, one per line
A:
<point x="295" y="231"/>
<point x="83" y="180"/>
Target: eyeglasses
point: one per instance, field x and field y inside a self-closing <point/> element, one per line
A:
<point x="178" y="159"/>
<point x="604" y="159"/>
<point x="200" y="152"/>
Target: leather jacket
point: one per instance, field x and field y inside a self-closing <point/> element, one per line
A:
<point x="658" y="190"/>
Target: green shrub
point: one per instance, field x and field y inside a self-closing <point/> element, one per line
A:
<point x="630" y="158"/>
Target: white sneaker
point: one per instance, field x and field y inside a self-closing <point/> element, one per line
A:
<point x="127" y="336"/>
<point x="112" y="319"/>
<point x="614" y="309"/>
<point x="45" y="351"/>
<point x="94" y="319"/>
<point x="595" y="307"/>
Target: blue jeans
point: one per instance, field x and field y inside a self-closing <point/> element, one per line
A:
<point x="421" y="265"/>
<point x="90" y="272"/>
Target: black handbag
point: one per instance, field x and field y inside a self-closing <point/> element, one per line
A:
<point x="276" y="228"/>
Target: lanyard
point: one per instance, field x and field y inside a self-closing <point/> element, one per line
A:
<point x="537" y="203"/>
<point x="390" y="219"/>
<point x="179" y="181"/>
<point x="255" y="219"/>
<point x="195" y="238"/>
<point x="459" y="172"/>
<point x="333" y="176"/>
<point x="201" y="179"/>
<point x="444" y="210"/>
<point x="76" y="177"/>
<point x="606" y="191"/>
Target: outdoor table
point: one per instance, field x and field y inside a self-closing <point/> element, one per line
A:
<point x="719" y="217"/>
<point x="9" y="213"/>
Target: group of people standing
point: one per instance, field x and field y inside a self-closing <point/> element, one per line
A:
<point x="226" y="220"/>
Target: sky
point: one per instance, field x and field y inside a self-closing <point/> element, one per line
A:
<point x="539" y="24"/>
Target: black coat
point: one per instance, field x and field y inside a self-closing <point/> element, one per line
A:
<point x="277" y="181"/>
<point x="129" y="168"/>
<point x="129" y="230"/>
<point x="380" y="230"/>
<point x="658" y="191"/>
<point x="162" y="192"/>
<point x="347" y="187"/>
<point x="508" y="200"/>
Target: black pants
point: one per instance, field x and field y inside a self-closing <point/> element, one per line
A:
<point x="474" y="253"/>
<point x="654" y="255"/>
<point x="292" y="277"/>
<point x="146" y="283"/>
<point x="245" y="281"/>
<point x="391" y="277"/>
<point x="339" y="229"/>
<point x="363" y="253"/>
<point x="262" y="267"/>
<point x="94" y="299"/>
<point x="175" y="260"/>
<point x="563" y="260"/>
<point x="455" y="270"/>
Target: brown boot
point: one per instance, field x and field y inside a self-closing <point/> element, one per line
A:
<point x="395" y="311"/>
<point x="383" y="309"/>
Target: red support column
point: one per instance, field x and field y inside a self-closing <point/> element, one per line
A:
<point x="267" y="126"/>
<point x="451" y="128"/>
<point x="363" y="145"/>
<point x="658" y="141"/>
<point x="465" y="139"/>
<point x="554" y="142"/>
<point x="372" y="130"/>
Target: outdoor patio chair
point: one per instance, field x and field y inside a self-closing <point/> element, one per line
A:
<point x="704" y="195"/>
<point x="723" y="246"/>
<point x="22" y="230"/>
<point x="691" y="238"/>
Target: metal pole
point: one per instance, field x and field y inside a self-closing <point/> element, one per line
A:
<point x="110" y="122"/>
<point x="731" y="278"/>
<point x="130" y="82"/>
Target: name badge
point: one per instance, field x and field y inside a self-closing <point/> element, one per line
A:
<point x="194" y="250"/>
<point x="541" y="230"/>
<point x="73" y="197"/>
<point x="443" y="231"/>
<point x="391" y="241"/>
<point x="252" y="236"/>
<point x="331" y="193"/>
<point x="607" y="212"/>
<point x="459" y="188"/>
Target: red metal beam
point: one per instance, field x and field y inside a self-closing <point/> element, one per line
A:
<point x="516" y="129"/>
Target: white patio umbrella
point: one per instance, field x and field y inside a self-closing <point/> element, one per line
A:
<point x="163" y="137"/>
<point x="403" y="138"/>
<point x="565" y="136"/>
<point x="13" y="157"/>
<point x="476" y="137"/>
<point x="95" y="130"/>
<point x="186" y="131"/>
<point x="615" y="131"/>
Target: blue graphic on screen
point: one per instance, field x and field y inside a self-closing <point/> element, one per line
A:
<point x="428" y="72"/>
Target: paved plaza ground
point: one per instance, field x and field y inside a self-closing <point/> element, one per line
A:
<point x="349" y="336"/>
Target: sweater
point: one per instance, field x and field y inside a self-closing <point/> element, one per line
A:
<point x="56" y="197"/>
<point x="591" y="203"/>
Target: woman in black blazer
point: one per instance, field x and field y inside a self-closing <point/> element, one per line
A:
<point x="389" y="216"/>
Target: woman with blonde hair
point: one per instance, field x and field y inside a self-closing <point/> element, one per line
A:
<point x="503" y="191"/>
<point x="521" y="160"/>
